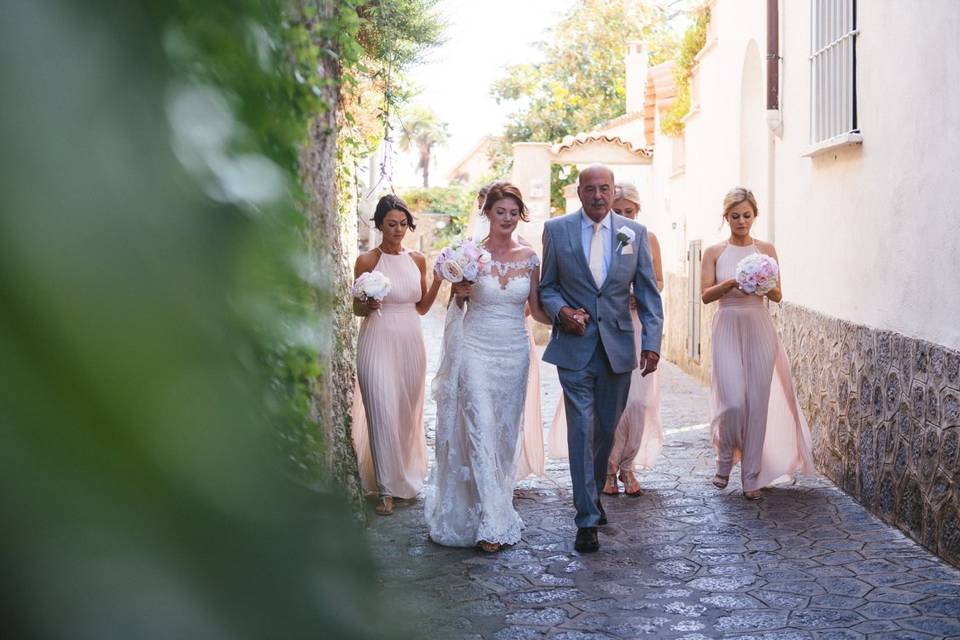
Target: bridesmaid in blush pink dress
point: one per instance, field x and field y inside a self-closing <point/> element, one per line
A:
<point x="392" y="364"/>
<point x="639" y="437"/>
<point x="756" y="416"/>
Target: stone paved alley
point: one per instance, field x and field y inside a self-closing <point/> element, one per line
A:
<point x="682" y="561"/>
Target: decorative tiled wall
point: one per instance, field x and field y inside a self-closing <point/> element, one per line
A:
<point x="884" y="411"/>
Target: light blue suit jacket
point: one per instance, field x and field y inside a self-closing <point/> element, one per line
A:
<point x="565" y="280"/>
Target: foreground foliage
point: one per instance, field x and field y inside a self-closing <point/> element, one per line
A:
<point x="159" y="314"/>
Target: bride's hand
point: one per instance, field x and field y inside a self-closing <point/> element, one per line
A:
<point x="462" y="291"/>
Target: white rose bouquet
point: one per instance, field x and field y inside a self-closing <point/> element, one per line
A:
<point x="372" y="285"/>
<point x="757" y="274"/>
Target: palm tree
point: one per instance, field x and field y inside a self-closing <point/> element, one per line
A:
<point x="422" y="131"/>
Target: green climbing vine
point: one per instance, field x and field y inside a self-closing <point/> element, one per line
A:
<point x="346" y="59"/>
<point x="694" y="40"/>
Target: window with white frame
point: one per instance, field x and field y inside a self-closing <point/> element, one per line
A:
<point x="833" y="83"/>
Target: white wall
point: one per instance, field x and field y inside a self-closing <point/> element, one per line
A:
<point x="871" y="234"/>
<point x="867" y="234"/>
<point x="693" y="201"/>
<point x="531" y="174"/>
<point x="664" y="211"/>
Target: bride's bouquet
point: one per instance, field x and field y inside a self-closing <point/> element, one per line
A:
<point x="372" y="285"/>
<point x="757" y="274"/>
<point x="462" y="261"/>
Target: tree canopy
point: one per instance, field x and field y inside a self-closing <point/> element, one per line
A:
<point x="422" y="130"/>
<point x="579" y="83"/>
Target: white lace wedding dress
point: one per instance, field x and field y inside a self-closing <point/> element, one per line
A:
<point x="480" y="391"/>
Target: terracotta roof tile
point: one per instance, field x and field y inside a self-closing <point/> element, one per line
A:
<point x="595" y="136"/>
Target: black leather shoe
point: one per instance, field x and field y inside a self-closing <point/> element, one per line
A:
<point x="587" y="541"/>
<point x="603" y="514"/>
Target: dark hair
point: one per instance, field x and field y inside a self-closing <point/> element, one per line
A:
<point x="389" y="203"/>
<point x="482" y="191"/>
<point x="498" y="191"/>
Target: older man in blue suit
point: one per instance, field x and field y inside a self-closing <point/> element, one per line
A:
<point x="591" y="260"/>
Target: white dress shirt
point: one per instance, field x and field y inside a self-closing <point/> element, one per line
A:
<point x="586" y="237"/>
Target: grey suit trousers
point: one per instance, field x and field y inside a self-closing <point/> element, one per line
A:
<point x="594" y="398"/>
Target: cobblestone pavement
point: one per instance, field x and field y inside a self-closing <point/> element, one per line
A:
<point x="682" y="561"/>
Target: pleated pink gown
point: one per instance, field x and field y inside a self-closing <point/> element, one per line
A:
<point x="639" y="436"/>
<point x="391" y="373"/>
<point x="756" y="417"/>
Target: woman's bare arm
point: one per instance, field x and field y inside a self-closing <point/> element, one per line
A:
<point x="427" y="296"/>
<point x="710" y="289"/>
<point x="533" y="300"/>
<point x="657" y="262"/>
<point x="364" y="264"/>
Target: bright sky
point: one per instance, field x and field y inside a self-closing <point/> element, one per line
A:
<point x="483" y="37"/>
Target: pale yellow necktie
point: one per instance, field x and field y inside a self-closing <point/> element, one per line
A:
<point x="596" y="254"/>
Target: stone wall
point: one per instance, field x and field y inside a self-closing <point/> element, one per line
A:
<point x="676" y="328"/>
<point x="332" y="239"/>
<point x="884" y="411"/>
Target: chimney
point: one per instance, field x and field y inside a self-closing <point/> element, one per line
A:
<point x="636" y="75"/>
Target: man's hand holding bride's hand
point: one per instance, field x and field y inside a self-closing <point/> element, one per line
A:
<point x="648" y="362"/>
<point x="461" y="291"/>
<point x="573" y="320"/>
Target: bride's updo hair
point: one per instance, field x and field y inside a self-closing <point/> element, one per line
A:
<point x="498" y="191"/>
<point x="737" y="195"/>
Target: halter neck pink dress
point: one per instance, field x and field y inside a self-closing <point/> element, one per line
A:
<point x="391" y="374"/>
<point x="756" y="416"/>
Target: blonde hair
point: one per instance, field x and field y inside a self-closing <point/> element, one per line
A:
<point x="737" y="195"/>
<point x="627" y="191"/>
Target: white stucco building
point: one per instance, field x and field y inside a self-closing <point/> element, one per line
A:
<point x="843" y="117"/>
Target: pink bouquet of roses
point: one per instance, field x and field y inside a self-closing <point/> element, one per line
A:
<point x="757" y="274"/>
<point x="462" y="261"/>
<point x="372" y="285"/>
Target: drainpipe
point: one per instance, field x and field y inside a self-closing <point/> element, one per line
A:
<point x="774" y="114"/>
<point x="773" y="55"/>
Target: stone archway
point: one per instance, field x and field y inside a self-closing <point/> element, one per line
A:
<point x="532" y="160"/>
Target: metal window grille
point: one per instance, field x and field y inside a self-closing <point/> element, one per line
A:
<point x="833" y="83"/>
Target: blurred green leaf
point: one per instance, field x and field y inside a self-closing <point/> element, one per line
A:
<point x="157" y="330"/>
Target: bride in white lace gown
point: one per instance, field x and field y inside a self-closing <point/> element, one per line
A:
<point x="480" y="389"/>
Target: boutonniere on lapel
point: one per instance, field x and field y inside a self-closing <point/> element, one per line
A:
<point x="626" y="236"/>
